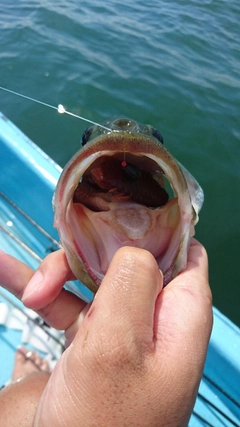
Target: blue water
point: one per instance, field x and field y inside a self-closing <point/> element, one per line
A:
<point x="175" y="65"/>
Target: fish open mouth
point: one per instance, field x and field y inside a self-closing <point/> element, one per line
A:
<point x="123" y="188"/>
<point x="123" y="203"/>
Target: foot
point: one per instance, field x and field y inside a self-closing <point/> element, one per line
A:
<point x="27" y="362"/>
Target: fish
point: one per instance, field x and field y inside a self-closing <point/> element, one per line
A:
<point x="124" y="188"/>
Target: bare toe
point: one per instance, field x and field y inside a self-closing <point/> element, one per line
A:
<point x="44" y="366"/>
<point x="26" y="362"/>
<point x="36" y="359"/>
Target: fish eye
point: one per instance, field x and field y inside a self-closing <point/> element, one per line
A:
<point x="157" y="135"/>
<point x="86" y="135"/>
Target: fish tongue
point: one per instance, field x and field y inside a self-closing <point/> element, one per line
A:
<point x="131" y="219"/>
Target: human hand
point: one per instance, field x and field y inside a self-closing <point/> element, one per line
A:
<point x="136" y="356"/>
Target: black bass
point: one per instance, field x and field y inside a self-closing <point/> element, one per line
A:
<point x="114" y="192"/>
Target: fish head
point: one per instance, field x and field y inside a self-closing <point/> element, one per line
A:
<point x="124" y="188"/>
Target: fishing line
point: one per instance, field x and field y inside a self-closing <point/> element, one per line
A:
<point x="124" y="163"/>
<point x="60" y="108"/>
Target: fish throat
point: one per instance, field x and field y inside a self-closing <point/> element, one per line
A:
<point x="110" y="179"/>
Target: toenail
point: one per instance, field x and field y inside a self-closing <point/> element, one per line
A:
<point x="29" y="354"/>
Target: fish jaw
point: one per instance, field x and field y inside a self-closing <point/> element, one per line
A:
<point x="90" y="239"/>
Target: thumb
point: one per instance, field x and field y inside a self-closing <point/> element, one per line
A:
<point x="127" y="296"/>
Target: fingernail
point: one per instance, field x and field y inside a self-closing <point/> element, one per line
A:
<point x="33" y="285"/>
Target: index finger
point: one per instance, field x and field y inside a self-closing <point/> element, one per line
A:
<point x="58" y="307"/>
<point x="14" y="274"/>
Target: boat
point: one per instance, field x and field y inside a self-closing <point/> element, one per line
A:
<point x="28" y="177"/>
